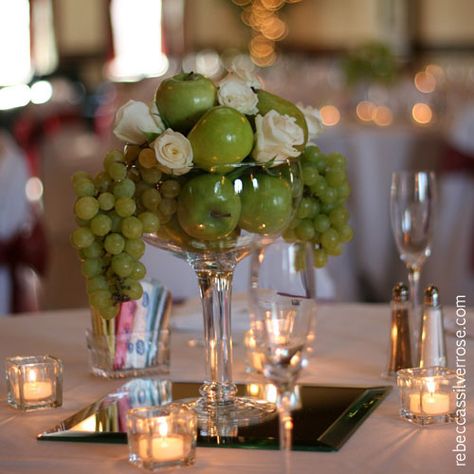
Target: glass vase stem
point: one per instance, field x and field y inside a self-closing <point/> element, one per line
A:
<point x="216" y="291"/>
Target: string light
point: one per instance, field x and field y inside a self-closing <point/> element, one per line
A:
<point x="262" y="17"/>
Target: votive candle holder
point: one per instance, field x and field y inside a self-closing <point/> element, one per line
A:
<point x="34" y="382"/>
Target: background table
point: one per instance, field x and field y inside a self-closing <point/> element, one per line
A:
<point x="351" y="349"/>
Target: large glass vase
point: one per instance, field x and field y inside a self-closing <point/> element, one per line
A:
<point x="265" y="199"/>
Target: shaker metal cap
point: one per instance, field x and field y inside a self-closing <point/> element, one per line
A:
<point x="400" y="292"/>
<point x="432" y="296"/>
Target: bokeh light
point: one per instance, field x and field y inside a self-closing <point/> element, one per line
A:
<point x="422" y="113"/>
<point x="330" y="115"/>
<point x="365" y="110"/>
<point x="425" y="82"/>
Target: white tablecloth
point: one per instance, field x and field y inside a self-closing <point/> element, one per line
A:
<point x="351" y="349"/>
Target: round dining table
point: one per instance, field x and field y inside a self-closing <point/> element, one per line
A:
<point x="351" y="349"/>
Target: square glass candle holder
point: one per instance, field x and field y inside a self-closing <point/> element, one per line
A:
<point x="161" y="437"/>
<point x="34" y="382"/>
<point x="427" y="395"/>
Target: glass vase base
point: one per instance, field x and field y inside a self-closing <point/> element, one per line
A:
<point x="224" y="419"/>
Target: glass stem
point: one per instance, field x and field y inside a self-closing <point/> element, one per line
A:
<point x="285" y="421"/>
<point x="216" y="291"/>
<point x="414" y="284"/>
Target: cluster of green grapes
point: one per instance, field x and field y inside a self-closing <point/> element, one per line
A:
<point x="113" y="210"/>
<point x="322" y="217"/>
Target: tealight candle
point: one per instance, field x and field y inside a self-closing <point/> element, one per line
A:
<point x="34" y="382"/>
<point x="161" y="436"/>
<point x="427" y="395"/>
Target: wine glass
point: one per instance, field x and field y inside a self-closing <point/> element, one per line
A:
<point x="282" y="321"/>
<point x="412" y="199"/>
<point x="288" y="268"/>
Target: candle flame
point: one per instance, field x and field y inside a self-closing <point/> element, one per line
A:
<point x="431" y="386"/>
<point x="163" y="427"/>
<point x="32" y="375"/>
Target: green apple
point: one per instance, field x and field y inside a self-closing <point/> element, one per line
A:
<point x="267" y="204"/>
<point x="183" y="99"/>
<point x="222" y="136"/>
<point x="208" y="207"/>
<point x="267" y="102"/>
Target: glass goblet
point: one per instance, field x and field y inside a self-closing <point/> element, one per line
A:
<point x="282" y="324"/>
<point x="412" y="200"/>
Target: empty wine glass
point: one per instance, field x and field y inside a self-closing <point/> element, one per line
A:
<point x="412" y="200"/>
<point x="282" y="324"/>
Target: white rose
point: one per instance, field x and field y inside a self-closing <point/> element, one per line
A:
<point x="313" y="120"/>
<point x="135" y="122"/>
<point x="276" y="137"/>
<point x="173" y="152"/>
<point x="246" y="75"/>
<point x="235" y="93"/>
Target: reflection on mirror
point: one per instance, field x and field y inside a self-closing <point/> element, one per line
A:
<point x="324" y="417"/>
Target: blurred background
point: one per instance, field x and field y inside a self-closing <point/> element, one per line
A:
<point x="393" y="79"/>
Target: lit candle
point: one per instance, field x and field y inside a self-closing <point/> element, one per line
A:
<point x="432" y="403"/>
<point x="162" y="447"/>
<point x="34" y="390"/>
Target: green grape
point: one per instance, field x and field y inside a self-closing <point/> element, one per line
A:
<point x="132" y="289"/>
<point x="122" y="264"/>
<point x="329" y="239"/>
<point x="102" y="181"/>
<point x="97" y="283"/>
<point x="345" y="233"/>
<point x="305" y="230"/>
<point x="320" y="163"/>
<point x="147" y="158"/>
<point x="82" y="237"/>
<point x="100" y="299"/>
<point x="336" y="160"/>
<point x="109" y="312"/>
<point x="335" y="177"/>
<point x="84" y="187"/>
<point x="106" y="201"/>
<point x="319" y="187"/>
<point x="329" y="196"/>
<point x="95" y="250"/>
<point x="79" y="175"/>
<point x="135" y="248"/>
<point x="117" y="171"/>
<point x="101" y="225"/>
<point x="150" y="175"/>
<point x="326" y="208"/>
<point x="311" y="154"/>
<point x="150" y="222"/>
<point x="113" y="156"/>
<point x="116" y="221"/>
<point x="310" y="174"/>
<point x="114" y="244"/>
<point x="316" y="238"/>
<point x="125" y="206"/>
<point x="132" y="227"/>
<point x="335" y="250"/>
<point x="344" y="190"/>
<point x="138" y="272"/>
<point x="168" y="206"/>
<point x="92" y="267"/>
<point x="86" y="207"/>
<point x="170" y="188"/>
<point x="151" y="199"/>
<point x="164" y="219"/>
<point x="320" y="258"/>
<point x="339" y="216"/>
<point x="321" y="223"/>
<point x="308" y="208"/>
<point x="124" y="189"/>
